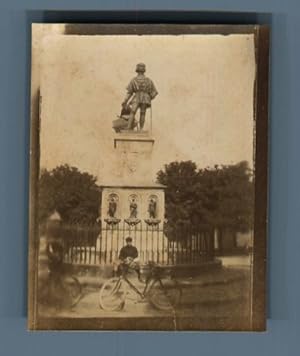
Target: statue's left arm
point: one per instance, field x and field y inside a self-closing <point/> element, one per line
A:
<point x="153" y="91"/>
<point x="126" y="99"/>
<point x="130" y="92"/>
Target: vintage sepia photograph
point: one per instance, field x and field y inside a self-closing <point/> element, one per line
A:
<point x="148" y="193"/>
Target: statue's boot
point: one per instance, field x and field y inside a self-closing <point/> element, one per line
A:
<point x="130" y="122"/>
<point x="142" y="120"/>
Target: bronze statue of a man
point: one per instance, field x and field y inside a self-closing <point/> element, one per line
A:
<point x="141" y="91"/>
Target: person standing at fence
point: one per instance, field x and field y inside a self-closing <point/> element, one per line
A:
<point x="128" y="255"/>
<point x="55" y="256"/>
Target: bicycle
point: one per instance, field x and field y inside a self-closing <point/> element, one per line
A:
<point x="60" y="290"/>
<point x="162" y="293"/>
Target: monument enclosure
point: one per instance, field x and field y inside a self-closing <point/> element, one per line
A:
<point x="148" y="177"/>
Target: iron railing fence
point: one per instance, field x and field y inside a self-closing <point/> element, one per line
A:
<point x="92" y="245"/>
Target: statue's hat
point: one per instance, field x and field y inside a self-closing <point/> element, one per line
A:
<point x="140" y="67"/>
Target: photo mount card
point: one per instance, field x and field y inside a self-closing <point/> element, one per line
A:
<point x="148" y="177"/>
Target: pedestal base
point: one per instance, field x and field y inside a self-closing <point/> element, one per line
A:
<point x="152" y="222"/>
<point x="112" y="221"/>
<point x="132" y="221"/>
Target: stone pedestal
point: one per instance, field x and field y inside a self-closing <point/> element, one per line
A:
<point x="133" y="154"/>
<point x="134" y="157"/>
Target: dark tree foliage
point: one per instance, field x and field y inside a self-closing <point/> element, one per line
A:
<point x="181" y="179"/>
<point x="219" y="197"/>
<point x="73" y="194"/>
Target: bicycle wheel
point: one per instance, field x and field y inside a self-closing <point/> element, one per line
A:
<point x="165" y="294"/>
<point x="72" y="290"/>
<point x="112" y="294"/>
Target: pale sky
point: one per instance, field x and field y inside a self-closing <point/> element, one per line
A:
<point x="203" y="112"/>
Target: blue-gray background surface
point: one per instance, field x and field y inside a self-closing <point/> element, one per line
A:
<point x="282" y="337"/>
